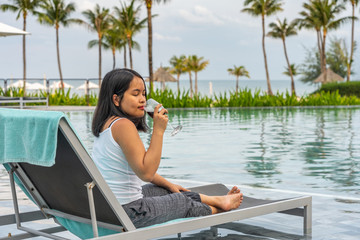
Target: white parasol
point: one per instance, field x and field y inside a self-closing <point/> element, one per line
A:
<point x="6" y="30"/>
<point x="91" y="86"/>
<point x="29" y="86"/>
<point x="35" y="86"/>
<point x="19" y="84"/>
<point x="57" y="84"/>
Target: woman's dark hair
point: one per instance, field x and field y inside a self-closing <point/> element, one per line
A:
<point x="116" y="82"/>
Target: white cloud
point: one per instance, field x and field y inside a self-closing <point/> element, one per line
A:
<point x="84" y="5"/>
<point x="160" y="37"/>
<point x="201" y="15"/>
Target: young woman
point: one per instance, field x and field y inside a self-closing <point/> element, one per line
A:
<point x="125" y="163"/>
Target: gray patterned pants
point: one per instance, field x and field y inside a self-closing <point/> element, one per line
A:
<point x="159" y="205"/>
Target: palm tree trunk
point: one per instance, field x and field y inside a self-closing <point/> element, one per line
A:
<point x="148" y="6"/>
<point x="324" y="56"/>
<point x="99" y="61"/>
<point x="237" y="83"/>
<point x="290" y="70"/>
<point x="24" y="55"/>
<point x="266" y="66"/>
<point x="178" y="82"/>
<point x="196" y="84"/>
<point x="125" y="63"/>
<point x="58" y="57"/>
<point x="191" y="88"/>
<point x="352" y="44"/>
<point x="319" y="40"/>
<point x="114" y="59"/>
<point x="130" y="54"/>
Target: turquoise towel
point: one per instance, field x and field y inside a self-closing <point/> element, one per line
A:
<point x="28" y="136"/>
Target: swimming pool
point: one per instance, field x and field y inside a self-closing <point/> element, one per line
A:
<point x="314" y="150"/>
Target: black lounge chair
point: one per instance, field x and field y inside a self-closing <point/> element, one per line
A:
<point x="73" y="191"/>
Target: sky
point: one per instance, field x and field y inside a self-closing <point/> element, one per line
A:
<point x="215" y="30"/>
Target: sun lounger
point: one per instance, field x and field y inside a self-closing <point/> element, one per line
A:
<point x="22" y="101"/>
<point x="73" y="192"/>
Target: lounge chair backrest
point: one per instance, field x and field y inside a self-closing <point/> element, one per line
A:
<point x="61" y="187"/>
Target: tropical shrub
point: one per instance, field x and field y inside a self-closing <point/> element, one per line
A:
<point x="241" y="98"/>
<point x="345" y="89"/>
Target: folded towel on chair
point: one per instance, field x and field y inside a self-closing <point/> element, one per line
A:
<point x="28" y="136"/>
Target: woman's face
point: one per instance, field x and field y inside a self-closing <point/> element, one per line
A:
<point x="134" y="100"/>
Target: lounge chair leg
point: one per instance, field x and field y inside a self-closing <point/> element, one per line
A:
<point x="13" y="192"/>
<point x="89" y="187"/>
<point x="17" y="214"/>
<point x="308" y="219"/>
<point x="214" y="231"/>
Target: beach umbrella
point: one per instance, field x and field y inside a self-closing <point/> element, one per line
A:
<point x="330" y="77"/>
<point x="35" y="86"/>
<point x="29" y="86"/>
<point x="19" y="84"/>
<point x="161" y="75"/>
<point x="91" y="86"/>
<point x="6" y="30"/>
<point x="57" y="84"/>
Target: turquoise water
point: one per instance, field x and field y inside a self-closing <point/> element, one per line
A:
<point x="314" y="150"/>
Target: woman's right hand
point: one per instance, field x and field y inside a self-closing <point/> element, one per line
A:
<point x="160" y="119"/>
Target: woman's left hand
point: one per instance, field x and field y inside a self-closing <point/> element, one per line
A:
<point x="177" y="188"/>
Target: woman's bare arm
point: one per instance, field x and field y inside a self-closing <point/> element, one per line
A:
<point x="143" y="163"/>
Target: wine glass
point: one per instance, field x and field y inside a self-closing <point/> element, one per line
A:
<point x="149" y="108"/>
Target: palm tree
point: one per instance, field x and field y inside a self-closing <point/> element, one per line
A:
<point x="310" y="20"/>
<point x="329" y="10"/>
<point x="57" y="13"/>
<point x="238" y="72"/>
<point x="263" y="8"/>
<point x="294" y="70"/>
<point x="178" y="67"/>
<point x="98" y="21"/>
<point x="24" y="8"/>
<point x="149" y="4"/>
<point x="281" y="29"/>
<point x="129" y="22"/>
<point x="189" y="68"/>
<point x="354" y="4"/>
<point x="324" y="13"/>
<point x="196" y="65"/>
<point x="113" y="41"/>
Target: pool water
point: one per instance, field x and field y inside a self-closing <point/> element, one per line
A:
<point x="271" y="153"/>
<point x="313" y="150"/>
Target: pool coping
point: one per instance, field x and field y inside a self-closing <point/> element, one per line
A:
<point x="92" y="108"/>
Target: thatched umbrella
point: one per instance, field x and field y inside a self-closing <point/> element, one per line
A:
<point x="330" y="77"/>
<point x="161" y="75"/>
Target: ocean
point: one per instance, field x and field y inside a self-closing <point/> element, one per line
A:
<point x="218" y="86"/>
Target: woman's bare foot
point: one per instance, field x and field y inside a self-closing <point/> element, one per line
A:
<point x="223" y="203"/>
<point x="230" y="201"/>
<point x="234" y="190"/>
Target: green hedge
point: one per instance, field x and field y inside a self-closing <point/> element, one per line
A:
<point x="243" y="98"/>
<point x="345" y="89"/>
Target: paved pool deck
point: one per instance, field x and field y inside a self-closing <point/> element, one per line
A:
<point x="333" y="218"/>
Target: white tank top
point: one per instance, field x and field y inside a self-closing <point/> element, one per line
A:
<point x="111" y="161"/>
